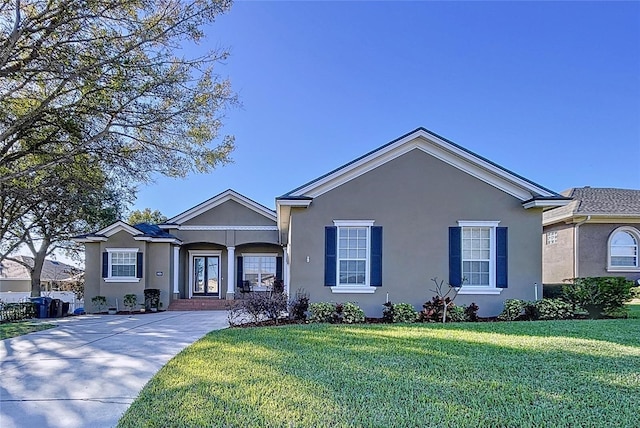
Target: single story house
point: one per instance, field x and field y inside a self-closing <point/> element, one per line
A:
<point x="377" y="228"/>
<point x="596" y="234"/>
<point x="15" y="276"/>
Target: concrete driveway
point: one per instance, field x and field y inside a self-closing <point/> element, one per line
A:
<point x="88" y="370"/>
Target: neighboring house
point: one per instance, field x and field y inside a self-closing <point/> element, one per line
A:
<point x="381" y="226"/>
<point x="15" y="277"/>
<point x="597" y="234"/>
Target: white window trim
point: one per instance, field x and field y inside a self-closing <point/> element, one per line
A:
<point x="636" y="234"/>
<point x="110" y="278"/>
<point x="258" y="287"/>
<point x="365" y="288"/>
<point x="475" y="289"/>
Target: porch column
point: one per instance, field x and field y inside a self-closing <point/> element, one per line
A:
<point x="176" y="272"/>
<point x="231" y="272"/>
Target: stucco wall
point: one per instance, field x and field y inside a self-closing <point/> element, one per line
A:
<point x="15" y="285"/>
<point x="557" y="259"/>
<point x="593" y="239"/>
<point x="415" y="198"/>
<point x="230" y="213"/>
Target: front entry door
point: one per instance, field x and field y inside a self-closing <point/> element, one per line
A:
<point x="206" y="274"/>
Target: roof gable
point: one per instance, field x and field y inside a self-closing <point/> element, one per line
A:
<point x="140" y="232"/>
<point x="442" y="149"/>
<point x="227" y="195"/>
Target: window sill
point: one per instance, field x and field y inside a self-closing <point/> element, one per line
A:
<point x="623" y="269"/>
<point x="480" y="290"/>
<point x="121" y="279"/>
<point x="353" y="289"/>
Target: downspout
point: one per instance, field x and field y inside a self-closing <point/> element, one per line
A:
<point x="575" y="245"/>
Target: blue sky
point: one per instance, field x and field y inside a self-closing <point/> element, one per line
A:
<point x="549" y="90"/>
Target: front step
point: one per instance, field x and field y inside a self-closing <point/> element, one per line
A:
<point x="200" y="304"/>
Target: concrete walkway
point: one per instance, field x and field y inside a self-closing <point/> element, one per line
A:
<point x="89" y="369"/>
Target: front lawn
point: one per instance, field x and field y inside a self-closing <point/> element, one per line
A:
<point x="553" y="373"/>
<point x="13" y="329"/>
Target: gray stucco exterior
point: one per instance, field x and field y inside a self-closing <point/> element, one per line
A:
<point x="414" y="188"/>
<point x="415" y="198"/>
<point x="583" y="230"/>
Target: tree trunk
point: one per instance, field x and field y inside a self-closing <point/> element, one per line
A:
<point x="36" y="271"/>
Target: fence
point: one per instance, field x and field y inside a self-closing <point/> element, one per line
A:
<point x="23" y="296"/>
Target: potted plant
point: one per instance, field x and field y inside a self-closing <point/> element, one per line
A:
<point x="130" y="301"/>
<point x="152" y="299"/>
<point x="99" y="302"/>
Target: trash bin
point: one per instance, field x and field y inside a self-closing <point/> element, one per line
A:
<point x="65" y="309"/>
<point x="55" y="310"/>
<point x="43" y="306"/>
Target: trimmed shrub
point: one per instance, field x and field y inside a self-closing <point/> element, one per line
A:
<point x="17" y="311"/>
<point x="635" y="292"/>
<point x="513" y="310"/>
<point x="399" y="313"/>
<point x="99" y="302"/>
<point x="336" y="313"/>
<point x="351" y="313"/>
<point x="456" y="314"/>
<point x="552" y="309"/>
<point x="321" y="311"/>
<point x="151" y="298"/>
<point x="598" y="294"/>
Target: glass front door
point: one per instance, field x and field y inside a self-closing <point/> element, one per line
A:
<point x="205" y="275"/>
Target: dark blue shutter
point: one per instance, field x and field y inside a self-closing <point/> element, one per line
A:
<point x="105" y="264"/>
<point x="279" y="268"/>
<point x="239" y="268"/>
<point x="139" y="265"/>
<point x="455" y="256"/>
<point x="501" y="257"/>
<point x="330" y="255"/>
<point x="376" y="256"/>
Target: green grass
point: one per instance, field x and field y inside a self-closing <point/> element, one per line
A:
<point x="634" y="309"/>
<point x="13" y="329"/>
<point x="533" y="374"/>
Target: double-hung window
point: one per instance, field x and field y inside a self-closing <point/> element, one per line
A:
<point x="478" y="257"/>
<point x="121" y="264"/>
<point x="353" y="256"/>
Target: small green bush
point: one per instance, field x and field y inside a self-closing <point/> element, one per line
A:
<point x="336" y="313"/>
<point x="351" y="313"/>
<point x="552" y="309"/>
<point x="404" y="312"/>
<point x="399" y="313"/>
<point x="513" y="310"/>
<point x="321" y="311"/>
<point x="622" y="312"/>
<point x="456" y="314"/>
<point x="635" y="292"/>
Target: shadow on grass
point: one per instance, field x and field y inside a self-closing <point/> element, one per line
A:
<point x="413" y="375"/>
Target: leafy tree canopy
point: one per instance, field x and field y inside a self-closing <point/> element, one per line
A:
<point x="146" y="216"/>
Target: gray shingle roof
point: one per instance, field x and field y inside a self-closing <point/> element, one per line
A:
<point x="598" y="201"/>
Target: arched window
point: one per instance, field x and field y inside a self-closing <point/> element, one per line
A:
<point x="623" y="249"/>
